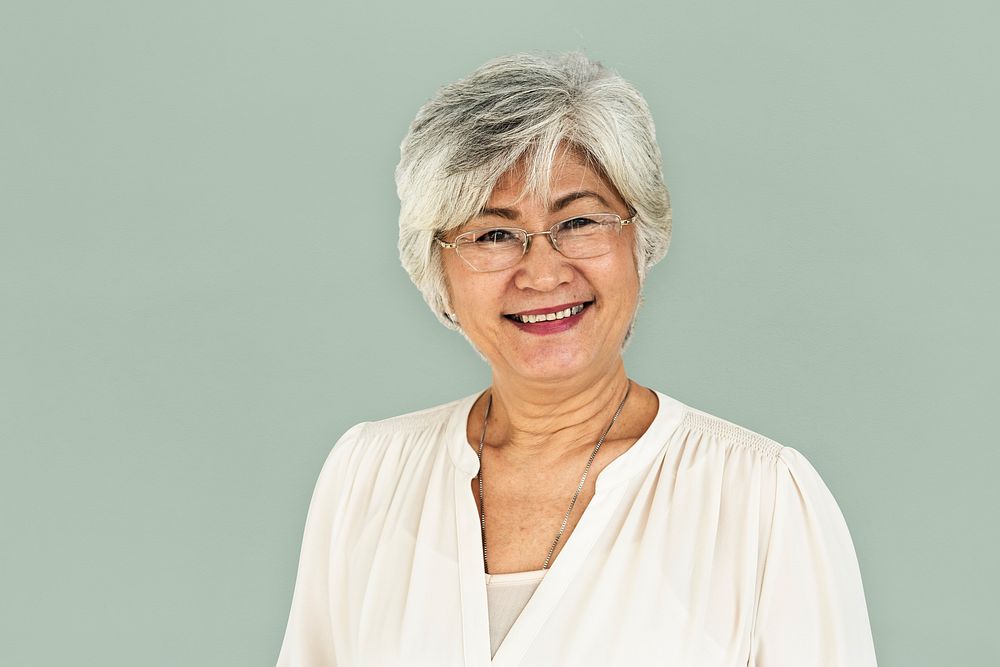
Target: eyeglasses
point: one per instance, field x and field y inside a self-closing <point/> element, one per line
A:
<point x="499" y="248"/>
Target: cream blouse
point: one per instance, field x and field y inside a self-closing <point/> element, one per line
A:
<point x="704" y="545"/>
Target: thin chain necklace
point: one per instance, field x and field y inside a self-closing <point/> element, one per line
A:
<point x="562" y="528"/>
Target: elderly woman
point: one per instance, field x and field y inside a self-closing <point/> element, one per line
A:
<point x="566" y="515"/>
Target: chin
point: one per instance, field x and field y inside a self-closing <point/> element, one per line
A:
<point x="553" y="365"/>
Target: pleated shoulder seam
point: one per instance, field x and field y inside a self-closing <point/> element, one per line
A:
<point x="413" y="421"/>
<point x="734" y="433"/>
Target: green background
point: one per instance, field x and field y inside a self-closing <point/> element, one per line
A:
<point x="200" y="288"/>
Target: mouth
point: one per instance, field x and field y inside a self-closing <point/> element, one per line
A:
<point x="552" y="314"/>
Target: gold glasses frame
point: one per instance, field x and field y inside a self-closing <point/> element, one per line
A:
<point x="551" y="232"/>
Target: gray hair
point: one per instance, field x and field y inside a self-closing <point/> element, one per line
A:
<point x="523" y="107"/>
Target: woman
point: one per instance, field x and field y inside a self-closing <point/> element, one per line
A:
<point x="565" y="515"/>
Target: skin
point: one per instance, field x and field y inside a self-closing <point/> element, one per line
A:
<point x="553" y="395"/>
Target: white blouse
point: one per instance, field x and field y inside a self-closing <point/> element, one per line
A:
<point x="704" y="545"/>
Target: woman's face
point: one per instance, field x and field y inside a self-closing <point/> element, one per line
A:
<point x="544" y="281"/>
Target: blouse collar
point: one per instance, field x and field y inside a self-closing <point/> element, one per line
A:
<point x="635" y="459"/>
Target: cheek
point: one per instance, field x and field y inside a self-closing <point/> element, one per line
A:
<point x="474" y="294"/>
<point x="452" y="277"/>
<point x="625" y="288"/>
<point x="619" y="275"/>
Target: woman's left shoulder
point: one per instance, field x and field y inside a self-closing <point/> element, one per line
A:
<point x="706" y="434"/>
<point x="708" y="439"/>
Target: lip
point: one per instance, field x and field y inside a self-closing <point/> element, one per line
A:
<point x="549" y="327"/>
<point x="549" y="309"/>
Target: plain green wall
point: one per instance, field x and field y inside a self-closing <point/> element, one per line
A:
<point x="200" y="288"/>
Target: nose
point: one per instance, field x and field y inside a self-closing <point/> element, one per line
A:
<point x="543" y="268"/>
<point x="547" y="234"/>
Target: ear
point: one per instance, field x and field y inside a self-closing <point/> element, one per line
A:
<point x="444" y="298"/>
<point x="446" y="309"/>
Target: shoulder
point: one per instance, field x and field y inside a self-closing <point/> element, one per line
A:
<point x="735" y="468"/>
<point x="407" y="426"/>
<point x="709" y="440"/>
<point x="394" y="438"/>
<point x="716" y="435"/>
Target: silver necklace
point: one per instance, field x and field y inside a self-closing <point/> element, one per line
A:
<point x="562" y="528"/>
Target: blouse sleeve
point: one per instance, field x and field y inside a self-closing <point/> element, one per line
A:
<point x="308" y="638"/>
<point x="811" y="609"/>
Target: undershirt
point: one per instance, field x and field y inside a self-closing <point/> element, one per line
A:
<point x="507" y="594"/>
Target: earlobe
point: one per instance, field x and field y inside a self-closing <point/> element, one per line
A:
<point x="446" y="311"/>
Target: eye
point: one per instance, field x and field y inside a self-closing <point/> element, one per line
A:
<point x="498" y="235"/>
<point x="576" y="224"/>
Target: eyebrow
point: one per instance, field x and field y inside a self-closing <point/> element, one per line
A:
<point x="557" y="205"/>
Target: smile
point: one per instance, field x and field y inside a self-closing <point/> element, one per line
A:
<point x="550" y="316"/>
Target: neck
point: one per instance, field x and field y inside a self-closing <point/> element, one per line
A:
<point x="537" y="423"/>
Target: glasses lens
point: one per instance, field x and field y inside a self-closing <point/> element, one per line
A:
<point x="491" y="249"/>
<point x="587" y="235"/>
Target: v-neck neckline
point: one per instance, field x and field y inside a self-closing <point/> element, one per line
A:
<point x="609" y="491"/>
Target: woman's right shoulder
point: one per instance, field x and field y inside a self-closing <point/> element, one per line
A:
<point x="394" y="439"/>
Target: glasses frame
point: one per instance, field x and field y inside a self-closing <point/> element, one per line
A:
<point x="526" y="245"/>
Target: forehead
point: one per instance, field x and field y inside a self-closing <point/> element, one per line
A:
<point x="571" y="171"/>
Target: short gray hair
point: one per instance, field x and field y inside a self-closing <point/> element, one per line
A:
<point x="523" y="106"/>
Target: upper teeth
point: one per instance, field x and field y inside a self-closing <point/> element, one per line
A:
<point x="542" y="317"/>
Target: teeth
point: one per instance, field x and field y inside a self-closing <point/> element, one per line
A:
<point x="548" y="317"/>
